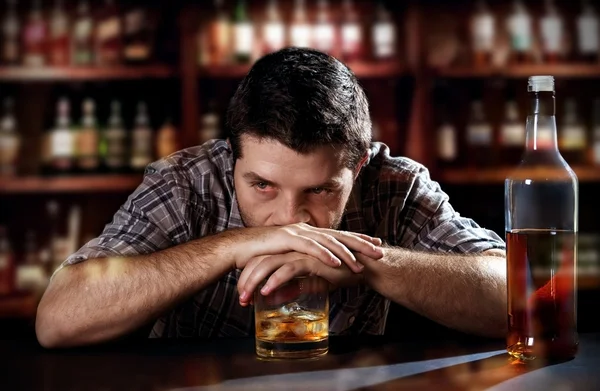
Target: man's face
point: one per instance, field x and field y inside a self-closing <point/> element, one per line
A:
<point x="277" y="186"/>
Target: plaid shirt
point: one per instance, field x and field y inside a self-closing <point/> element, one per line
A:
<point x="191" y="194"/>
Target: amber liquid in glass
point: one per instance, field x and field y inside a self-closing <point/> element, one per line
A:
<point x="541" y="295"/>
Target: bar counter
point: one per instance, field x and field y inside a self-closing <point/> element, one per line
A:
<point x="357" y="363"/>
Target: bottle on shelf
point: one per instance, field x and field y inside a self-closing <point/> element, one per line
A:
<point x="82" y="42"/>
<point x="351" y="33"/>
<point x="552" y="33"/>
<point x="137" y="36"/>
<point x="88" y="139"/>
<point x="59" y="148"/>
<point x="519" y="26"/>
<point x="10" y="140"/>
<point x="273" y="29"/>
<point x="35" y="37"/>
<point x="572" y="136"/>
<point x="541" y="216"/>
<point x="588" y="33"/>
<point x="384" y="33"/>
<point x="115" y="140"/>
<point x="595" y="158"/>
<point x="243" y="34"/>
<point x="215" y="41"/>
<point x="7" y="264"/>
<point x="209" y="127"/>
<point x="447" y="141"/>
<point x="167" y="139"/>
<point x="512" y="134"/>
<point x="108" y="37"/>
<point x="11" y="27"/>
<point x="31" y="275"/>
<point x="324" y="35"/>
<point x="483" y="33"/>
<point x="479" y="136"/>
<point x="60" y="47"/>
<point x="300" y="31"/>
<point x="142" y="144"/>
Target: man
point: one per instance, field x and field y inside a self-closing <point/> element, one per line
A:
<point x="297" y="189"/>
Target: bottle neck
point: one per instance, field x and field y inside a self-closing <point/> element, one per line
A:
<point x="541" y="122"/>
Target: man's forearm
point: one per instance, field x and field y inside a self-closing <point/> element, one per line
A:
<point x="101" y="299"/>
<point x="464" y="292"/>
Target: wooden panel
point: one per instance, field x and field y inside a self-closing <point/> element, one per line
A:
<point x="497" y="175"/>
<point x="84" y="184"/>
<point x="19" y="73"/>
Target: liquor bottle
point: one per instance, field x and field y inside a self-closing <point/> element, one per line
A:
<point x="588" y="33"/>
<point x="141" y="140"/>
<point x="7" y="264"/>
<point x="541" y="216"/>
<point x="82" y="50"/>
<point x="300" y="31"/>
<point x="243" y="34"/>
<point x="61" y="143"/>
<point x="479" y="136"/>
<point x="273" y="30"/>
<point x="572" y="135"/>
<point x="552" y="33"/>
<point x="59" y="36"/>
<point x="596" y="133"/>
<point x="352" y="33"/>
<point x="10" y="140"/>
<point x="323" y="35"/>
<point x="215" y="41"/>
<point x="384" y="33"/>
<point x="137" y="36"/>
<point x="483" y="31"/>
<point x="167" y="139"/>
<point x="512" y="134"/>
<point x="10" y="34"/>
<point x="109" y="33"/>
<point x="115" y="138"/>
<point x="209" y="127"/>
<point x="35" y="36"/>
<point x="519" y="26"/>
<point x="447" y="141"/>
<point x="88" y="139"/>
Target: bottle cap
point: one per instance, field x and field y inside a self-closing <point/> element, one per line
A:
<point x="541" y="84"/>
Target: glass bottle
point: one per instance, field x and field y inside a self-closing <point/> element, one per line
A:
<point x="588" y="31"/>
<point x="384" y="33"/>
<point x="115" y="138"/>
<point x="59" y="36"/>
<point x="351" y="33"/>
<point x="82" y="50"/>
<point x="541" y="216"/>
<point x="483" y="30"/>
<point x="300" y="32"/>
<point x="35" y="35"/>
<point x="141" y="140"/>
<point x="512" y="134"/>
<point x="10" y="140"/>
<point x="273" y="30"/>
<point x="243" y="36"/>
<point x="479" y="135"/>
<point x="88" y="139"/>
<point x="519" y="26"/>
<point x="552" y="33"/>
<point x="323" y="35"/>
<point x="10" y="34"/>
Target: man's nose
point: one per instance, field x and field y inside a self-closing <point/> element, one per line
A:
<point x="291" y="212"/>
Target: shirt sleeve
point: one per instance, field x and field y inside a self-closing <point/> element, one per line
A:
<point x="157" y="215"/>
<point x="431" y="223"/>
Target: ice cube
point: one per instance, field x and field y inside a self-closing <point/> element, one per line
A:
<point x="299" y="329"/>
<point x="290" y="308"/>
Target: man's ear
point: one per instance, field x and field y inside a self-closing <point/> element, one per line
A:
<point x="360" y="165"/>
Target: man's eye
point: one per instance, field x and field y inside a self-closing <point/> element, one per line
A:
<point x="261" y="185"/>
<point x="318" y="190"/>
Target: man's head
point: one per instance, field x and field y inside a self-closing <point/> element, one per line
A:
<point x="299" y="129"/>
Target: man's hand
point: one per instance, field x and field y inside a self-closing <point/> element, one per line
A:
<point x="283" y="267"/>
<point x="330" y="246"/>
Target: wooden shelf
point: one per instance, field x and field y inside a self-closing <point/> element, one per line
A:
<point x="83" y="184"/>
<point x="21" y="73"/>
<point x="360" y="68"/>
<point x="19" y="305"/>
<point x="497" y="175"/>
<point x="523" y="71"/>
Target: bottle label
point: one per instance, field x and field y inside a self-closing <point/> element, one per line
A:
<point x="351" y="38"/>
<point x="513" y="135"/>
<point x="447" y="148"/>
<point x="61" y="143"/>
<point x="552" y="34"/>
<point x="244" y="38"/>
<point x="480" y="135"/>
<point x="274" y="37"/>
<point x="109" y="29"/>
<point x="573" y="137"/>
<point x="87" y="142"/>
<point x="587" y="27"/>
<point x="300" y="35"/>
<point x="9" y="148"/>
<point x="520" y="32"/>
<point x="384" y="36"/>
<point x="83" y="29"/>
<point x="483" y="33"/>
<point x="324" y="36"/>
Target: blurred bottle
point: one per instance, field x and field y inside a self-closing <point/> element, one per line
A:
<point x="572" y="138"/>
<point x="137" y="36"/>
<point x="59" y="36"/>
<point x="167" y="139"/>
<point x="82" y="50"/>
<point x="115" y="136"/>
<point x="588" y="33"/>
<point x="323" y="35"/>
<point x="300" y="31"/>
<point x="10" y="140"/>
<point x="352" y="33"/>
<point x="88" y="139"/>
<point x="541" y="214"/>
<point x="512" y="134"/>
<point x="60" y="142"/>
<point x="109" y="33"/>
<point x="35" y="37"/>
<point x="596" y="133"/>
<point x="209" y="127"/>
<point x="31" y="275"/>
<point x="384" y="33"/>
<point x="215" y="41"/>
<point x="519" y="26"/>
<point x="10" y="34"/>
<point x="483" y="32"/>
<point x="142" y="144"/>
<point x="552" y="33"/>
<point x="479" y="136"/>
<point x="7" y="264"/>
<point x="273" y="30"/>
<point x="447" y="141"/>
<point x="243" y="34"/>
